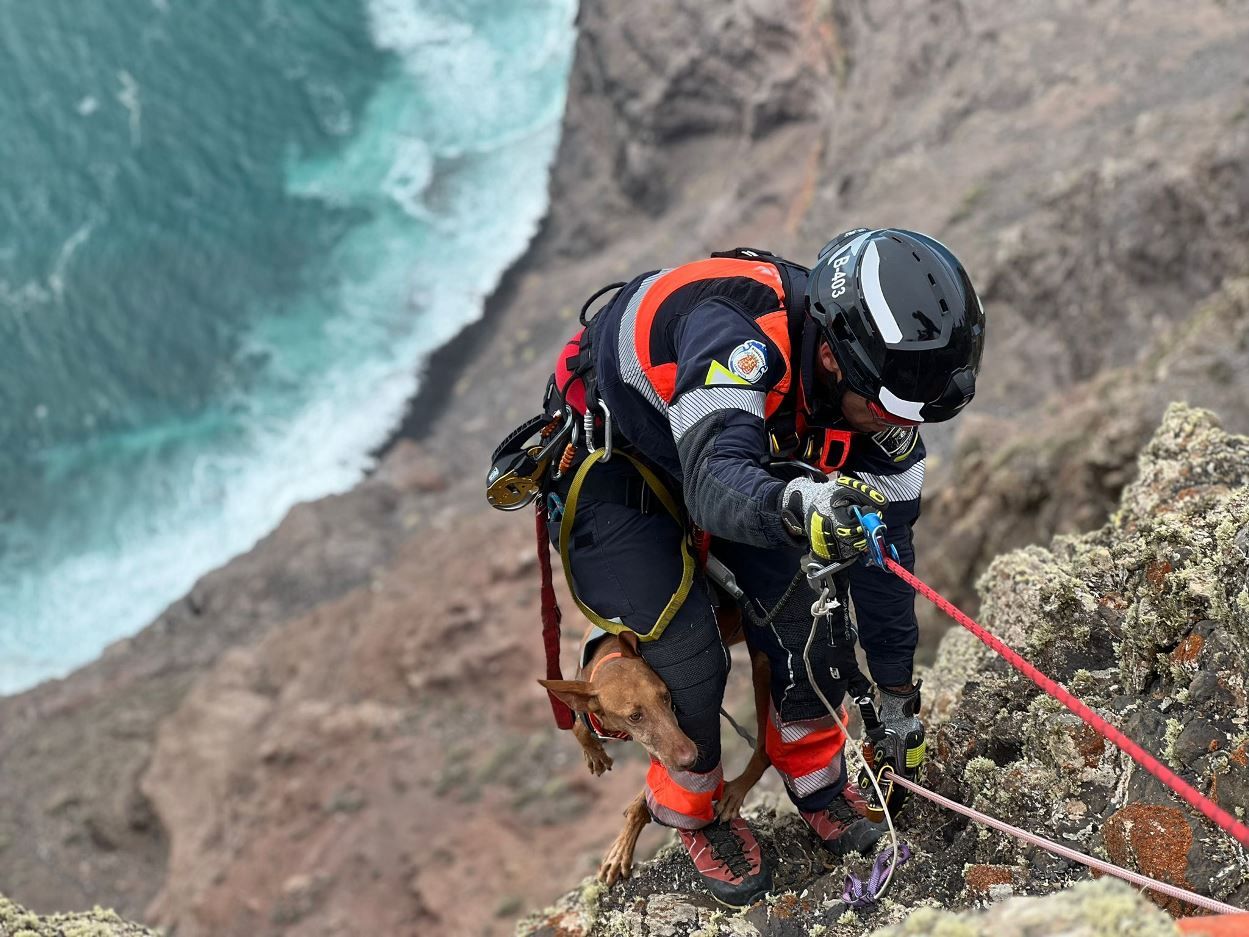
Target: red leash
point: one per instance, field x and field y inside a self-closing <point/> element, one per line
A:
<point x="551" y="617"/>
<point x="1190" y="795"/>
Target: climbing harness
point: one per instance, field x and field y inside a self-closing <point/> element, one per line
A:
<point x="659" y="490"/>
<point x="533" y="458"/>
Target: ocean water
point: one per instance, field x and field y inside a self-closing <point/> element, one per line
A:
<point x="230" y="231"/>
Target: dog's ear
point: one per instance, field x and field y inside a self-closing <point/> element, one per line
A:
<point x="576" y="694"/>
<point x="628" y="643"/>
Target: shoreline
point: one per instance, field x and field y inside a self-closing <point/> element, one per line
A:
<point x="442" y="368"/>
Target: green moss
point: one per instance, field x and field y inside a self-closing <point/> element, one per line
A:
<point x="1169" y="738"/>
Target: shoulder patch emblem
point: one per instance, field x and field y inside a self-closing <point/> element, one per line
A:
<point x="719" y="375"/>
<point x="749" y="360"/>
<point x="897" y="443"/>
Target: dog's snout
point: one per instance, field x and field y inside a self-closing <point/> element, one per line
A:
<point x="686" y="756"/>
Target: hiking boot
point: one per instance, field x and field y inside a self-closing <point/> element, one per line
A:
<point x="727" y="856"/>
<point x="843" y="826"/>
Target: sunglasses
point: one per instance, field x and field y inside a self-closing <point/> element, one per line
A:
<point x="876" y="410"/>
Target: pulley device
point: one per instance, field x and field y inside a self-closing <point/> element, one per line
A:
<point x="521" y="462"/>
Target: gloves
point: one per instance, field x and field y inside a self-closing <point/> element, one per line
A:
<point x="902" y="743"/>
<point x="824" y="513"/>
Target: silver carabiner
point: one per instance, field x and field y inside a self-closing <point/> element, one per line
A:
<point x="587" y="421"/>
<point x="602" y="405"/>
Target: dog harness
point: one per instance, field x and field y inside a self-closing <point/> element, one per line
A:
<point x="592" y="721"/>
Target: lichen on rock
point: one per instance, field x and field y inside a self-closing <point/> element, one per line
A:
<point x="16" y="921"/>
<point x="1091" y="909"/>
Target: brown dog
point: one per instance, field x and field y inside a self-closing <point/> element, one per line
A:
<point x="623" y="698"/>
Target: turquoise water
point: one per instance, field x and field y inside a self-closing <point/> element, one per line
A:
<point x="229" y="233"/>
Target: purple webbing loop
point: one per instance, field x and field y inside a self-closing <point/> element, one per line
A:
<point x="857" y="895"/>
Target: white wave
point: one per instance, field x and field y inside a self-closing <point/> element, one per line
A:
<point x="438" y="240"/>
<point x="128" y="98"/>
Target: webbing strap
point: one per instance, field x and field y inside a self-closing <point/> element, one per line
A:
<point x="565" y="535"/>
<point x="564" y="717"/>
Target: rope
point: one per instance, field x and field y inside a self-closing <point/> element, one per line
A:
<point x="1141" y="881"/>
<point x="1190" y="795"/>
<point x="746" y="736"/>
<point x="896" y="852"/>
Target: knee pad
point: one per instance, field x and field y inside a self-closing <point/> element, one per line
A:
<point x="692" y="660"/>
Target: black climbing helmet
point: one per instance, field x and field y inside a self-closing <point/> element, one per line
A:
<point x="903" y="321"/>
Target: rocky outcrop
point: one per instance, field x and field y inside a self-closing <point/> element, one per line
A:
<point x="1147" y="620"/>
<point x="1090" y="909"/>
<point x="16" y="921"/>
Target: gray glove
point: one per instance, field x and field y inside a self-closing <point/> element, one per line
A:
<point x="823" y="512"/>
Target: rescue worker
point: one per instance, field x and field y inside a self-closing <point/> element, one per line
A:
<point x="719" y="376"/>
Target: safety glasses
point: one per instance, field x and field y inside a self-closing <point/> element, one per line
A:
<point x="876" y="410"/>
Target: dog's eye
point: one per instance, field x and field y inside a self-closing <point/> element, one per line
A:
<point x="635" y="718"/>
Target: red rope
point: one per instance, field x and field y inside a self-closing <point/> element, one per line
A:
<point x="1190" y="795"/>
<point x="564" y="717"/>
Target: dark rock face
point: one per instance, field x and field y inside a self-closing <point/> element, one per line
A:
<point x="1129" y="618"/>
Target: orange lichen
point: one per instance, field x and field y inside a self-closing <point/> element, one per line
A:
<point x="1188" y="649"/>
<point x="1156" y="573"/>
<point x="980" y="878"/>
<point x="1089" y="744"/>
<point x="1155" y="840"/>
<point x="789" y="905"/>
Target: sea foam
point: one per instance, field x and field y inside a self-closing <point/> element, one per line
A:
<point x="447" y="168"/>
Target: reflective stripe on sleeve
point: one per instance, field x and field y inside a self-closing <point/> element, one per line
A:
<point x="905" y="486"/>
<point x="700" y="402"/>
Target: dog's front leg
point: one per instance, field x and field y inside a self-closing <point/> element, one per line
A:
<point x="618" y="862"/>
<point x="735" y="791"/>
<point x="596" y="757"/>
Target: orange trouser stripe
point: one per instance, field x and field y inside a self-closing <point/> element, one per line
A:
<point x="812" y="752"/>
<point x="668" y="793"/>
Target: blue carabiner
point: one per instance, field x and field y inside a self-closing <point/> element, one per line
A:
<point x="554" y="508"/>
<point x="874" y="528"/>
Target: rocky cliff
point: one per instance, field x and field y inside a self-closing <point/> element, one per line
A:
<point x="1147" y="620"/>
<point x="339" y="729"/>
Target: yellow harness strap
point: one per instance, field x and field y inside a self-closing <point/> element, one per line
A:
<point x="565" y="533"/>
